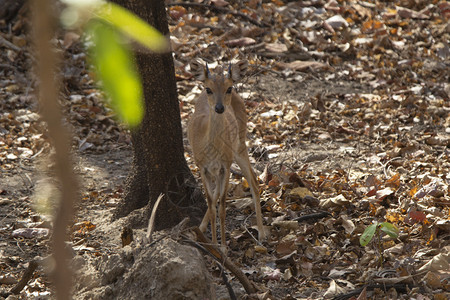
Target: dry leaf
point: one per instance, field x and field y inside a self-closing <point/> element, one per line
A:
<point x="300" y="192"/>
<point x="432" y="280"/>
<point x="439" y="263"/>
<point x="383" y="193"/>
<point x="347" y="224"/>
<point x="333" y="290"/>
<point x="336" y="22"/>
<point x="69" y="38"/>
<point x="409" y="13"/>
<point x="219" y="3"/>
<point x="337" y="201"/>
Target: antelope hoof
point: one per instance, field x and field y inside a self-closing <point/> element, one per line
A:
<point x="262" y="235"/>
<point x="223" y="249"/>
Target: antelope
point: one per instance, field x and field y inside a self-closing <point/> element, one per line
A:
<point x="216" y="132"/>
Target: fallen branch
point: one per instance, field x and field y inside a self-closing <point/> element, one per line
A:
<point x="399" y="287"/>
<point x="286" y="55"/>
<point x="221" y="10"/>
<point x="207" y="244"/>
<point x="8" y="44"/>
<point x="32" y="265"/>
<point x="4" y="42"/>
<point x="313" y="216"/>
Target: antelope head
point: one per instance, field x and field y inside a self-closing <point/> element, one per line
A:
<point x="217" y="83"/>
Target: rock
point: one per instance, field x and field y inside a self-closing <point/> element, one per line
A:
<point x="112" y="268"/>
<point x="165" y="270"/>
<point x="31" y="233"/>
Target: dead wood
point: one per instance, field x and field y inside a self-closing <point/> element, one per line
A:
<point x="207" y="244"/>
<point x="313" y="216"/>
<point x="399" y="287"/>
<point x="32" y="265"/>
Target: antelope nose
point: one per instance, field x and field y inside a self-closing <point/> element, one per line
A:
<point x="219" y="108"/>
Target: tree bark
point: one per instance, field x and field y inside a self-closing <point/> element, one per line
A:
<point x="159" y="165"/>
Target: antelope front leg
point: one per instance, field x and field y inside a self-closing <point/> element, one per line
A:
<point x="212" y="219"/>
<point x="210" y="215"/>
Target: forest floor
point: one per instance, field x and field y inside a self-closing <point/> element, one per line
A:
<point x="349" y="124"/>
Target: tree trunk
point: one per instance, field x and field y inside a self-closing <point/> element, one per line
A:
<point x="159" y="165"/>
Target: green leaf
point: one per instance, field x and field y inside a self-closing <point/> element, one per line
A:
<point x="367" y="235"/>
<point x="115" y="66"/>
<point x="390" y="229"/>
<point x="133" y="26"/>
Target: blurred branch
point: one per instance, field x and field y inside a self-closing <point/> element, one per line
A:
<point x="44" y="30"/>
<point x="249" y="287"/>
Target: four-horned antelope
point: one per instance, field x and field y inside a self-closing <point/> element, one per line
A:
<point x="217" y="132"/>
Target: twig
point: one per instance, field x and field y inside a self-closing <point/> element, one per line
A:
<point x="6" y="66"/>
<point x="313" y="216"/>
<point x="8" y="44"/>
<point x="386" y="167"/>
<point x="398" y="279"/>
<point x="4" y="42"/>
<point x="399" y="287"/>
<point x="248" y="231"/>
<point x="221" y="10"/>
<point x="32" y="265"/>
<point x="179" y="228"/>
<point x="151" y="222"/>
<point x="262" y="69"/>
<point x="289" y="55"/>
<point x="246" y="283"/>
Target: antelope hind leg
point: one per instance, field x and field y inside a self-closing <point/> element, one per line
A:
<point x="223" y="187"/>
<point x="244" y="163"/>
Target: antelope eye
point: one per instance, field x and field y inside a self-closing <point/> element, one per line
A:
<point x="208" y="90"/>
<point x="229" y="90"/>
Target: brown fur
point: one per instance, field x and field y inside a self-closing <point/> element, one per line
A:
<point x="218" y="139"/>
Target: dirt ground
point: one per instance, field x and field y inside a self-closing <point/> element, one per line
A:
<point x="345" y="128"/>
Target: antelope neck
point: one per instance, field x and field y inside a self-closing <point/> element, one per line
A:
<point x="216" y="122"/>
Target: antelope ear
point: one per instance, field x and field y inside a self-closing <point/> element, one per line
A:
<point x="199" y="69"/>
<point x="238" y="70"/>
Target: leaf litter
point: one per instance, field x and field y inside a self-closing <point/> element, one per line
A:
<point x="349" y="114"/>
